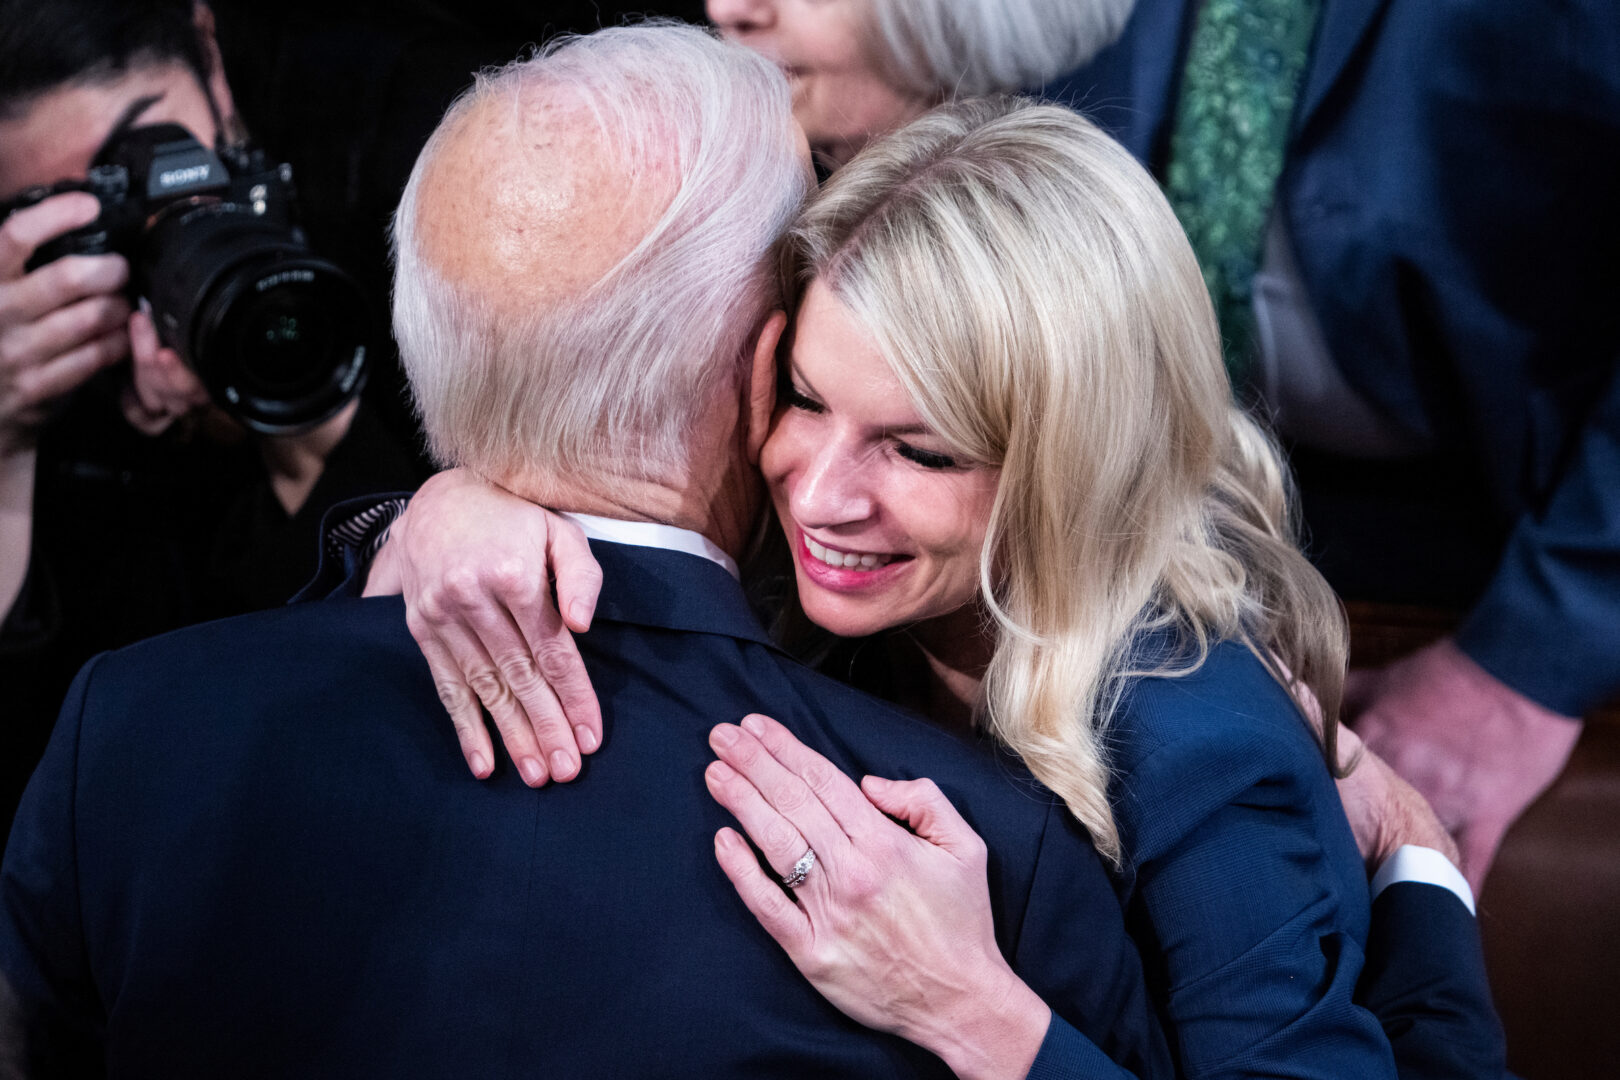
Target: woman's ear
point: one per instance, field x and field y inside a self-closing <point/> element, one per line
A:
<point x="762" y="383"/>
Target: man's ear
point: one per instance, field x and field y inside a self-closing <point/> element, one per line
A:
<point x="762" y="383"/>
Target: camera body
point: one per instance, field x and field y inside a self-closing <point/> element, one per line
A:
<point x="279" y="336"/>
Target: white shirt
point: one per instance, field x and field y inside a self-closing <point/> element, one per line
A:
<point x="1426" y="866"/>
<point x="654" y="535"/>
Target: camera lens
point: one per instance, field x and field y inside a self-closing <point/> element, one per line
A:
<point x="280" y="336"/>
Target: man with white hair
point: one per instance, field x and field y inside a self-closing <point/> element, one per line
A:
<point x="251" y="848"/>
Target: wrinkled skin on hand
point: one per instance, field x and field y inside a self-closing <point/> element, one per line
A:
<point x="1479" y="751"/>
<point x="475" y="564"/>
<point x="1385" y="811"/>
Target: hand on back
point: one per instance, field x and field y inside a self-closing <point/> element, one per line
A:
<point x="475" y="564"/>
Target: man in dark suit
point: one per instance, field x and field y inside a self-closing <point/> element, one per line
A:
<point x="1402" y="210"/>
<point x="251" y="848"/>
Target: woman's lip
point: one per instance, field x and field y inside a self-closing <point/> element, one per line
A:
<point x="843" y="578"/>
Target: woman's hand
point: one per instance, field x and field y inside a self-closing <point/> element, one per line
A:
<point x="475" y="564"/>
<point x="893" y="927"/>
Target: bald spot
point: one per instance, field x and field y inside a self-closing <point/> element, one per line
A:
<point x="523" y="204"/>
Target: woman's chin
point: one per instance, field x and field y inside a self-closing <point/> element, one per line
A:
<point x="839" y="616"/>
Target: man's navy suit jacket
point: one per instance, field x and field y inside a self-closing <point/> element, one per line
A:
<point x="1449" y="190"/>
<point x="253" y="849"/>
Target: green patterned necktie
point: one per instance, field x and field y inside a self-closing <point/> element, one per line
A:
<point x="1243" y="73"/>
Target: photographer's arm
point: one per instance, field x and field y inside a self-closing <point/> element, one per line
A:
<point x="59" y="325"/>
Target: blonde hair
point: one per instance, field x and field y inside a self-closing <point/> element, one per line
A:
<point x="1034" y="293"/>
<point x="610" y="383"/>
<point x="966" y="48"/>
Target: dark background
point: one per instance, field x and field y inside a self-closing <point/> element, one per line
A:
<point x="348" y="93"/>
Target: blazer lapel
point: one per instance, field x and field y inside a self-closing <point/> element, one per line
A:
<point x="1345" y="24"/>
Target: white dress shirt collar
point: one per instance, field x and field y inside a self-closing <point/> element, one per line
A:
<point x="654" y="535"/>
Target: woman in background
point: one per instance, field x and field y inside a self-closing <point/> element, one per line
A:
<point x="862" y="68"/>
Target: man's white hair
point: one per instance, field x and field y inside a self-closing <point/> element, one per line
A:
<point x="967" y="48"/>
<point x="611" y="382"/>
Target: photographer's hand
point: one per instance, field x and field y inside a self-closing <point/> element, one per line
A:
<point x="161" y="388"/>
<point x="60" y="324"/>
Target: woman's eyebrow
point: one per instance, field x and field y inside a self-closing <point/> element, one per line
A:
<point x="126" y="119"/>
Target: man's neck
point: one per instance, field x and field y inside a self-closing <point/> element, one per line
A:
<point x="725" y="515"/>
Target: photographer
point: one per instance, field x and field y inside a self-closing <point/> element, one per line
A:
<point x="130" y="503"/>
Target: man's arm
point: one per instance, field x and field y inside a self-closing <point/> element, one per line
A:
<point x="1424" y="976"/>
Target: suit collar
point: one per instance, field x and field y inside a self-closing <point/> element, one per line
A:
<point x="672" y="590"/>
<point x="1344" y="26"/>
<point x="652" y="534"/>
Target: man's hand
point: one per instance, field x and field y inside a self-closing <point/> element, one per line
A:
<point x="60" y="324"/>
<point x="1385" y="811"/>
<point x="1479" y="751"/>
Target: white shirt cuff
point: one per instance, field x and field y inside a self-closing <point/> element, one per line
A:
<point x="1425" y="866"/>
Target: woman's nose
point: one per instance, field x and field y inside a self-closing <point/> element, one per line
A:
<point x="741" y="15"/>
<point x="832" y="488"/>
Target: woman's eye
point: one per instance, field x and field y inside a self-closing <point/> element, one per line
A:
<point x="795" y="400"/>
<point x="926" y="458"/>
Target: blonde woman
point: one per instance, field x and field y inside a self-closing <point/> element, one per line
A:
<point x="1008" y="471"/>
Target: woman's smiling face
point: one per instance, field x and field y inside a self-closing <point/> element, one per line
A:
<point x="886" y="524"/>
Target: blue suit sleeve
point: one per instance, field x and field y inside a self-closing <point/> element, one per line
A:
<point x="1249" y="898"/>
<point x="42" y="951"/>
<point x="1548" y="625"/>
<point x="1425" y="979"/>
<point x="1068" y="1055"/>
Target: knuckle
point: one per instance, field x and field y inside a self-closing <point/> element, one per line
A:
<point x="790" y="798"/>
<point x="462" y="587"/>
<point x="511" y="577"/>
<point x="821" y="777"/>
<point x="457" y="699"/>
<point x="555" y="660"/>
<point x="423" y="610"/>
<point x="780" y="836"/>
<point x="859" y="884"/>
<point x="519" y="671"/>
<point x="488" y="685"/>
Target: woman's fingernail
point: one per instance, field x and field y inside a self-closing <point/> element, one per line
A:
<point x="754" y="724"/>
<point x="586" y="738"/>
<point x="479" y="766"/>
<point x="580" y="612"/>
<point x="561" y="764"/>
<point x="724" y="734"/>
<point x="719" y="770"/>
<point x="875" y="783"/>
<point x="533" y="772"/>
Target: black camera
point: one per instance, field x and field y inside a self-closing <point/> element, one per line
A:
<point x="278" y="335"/>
